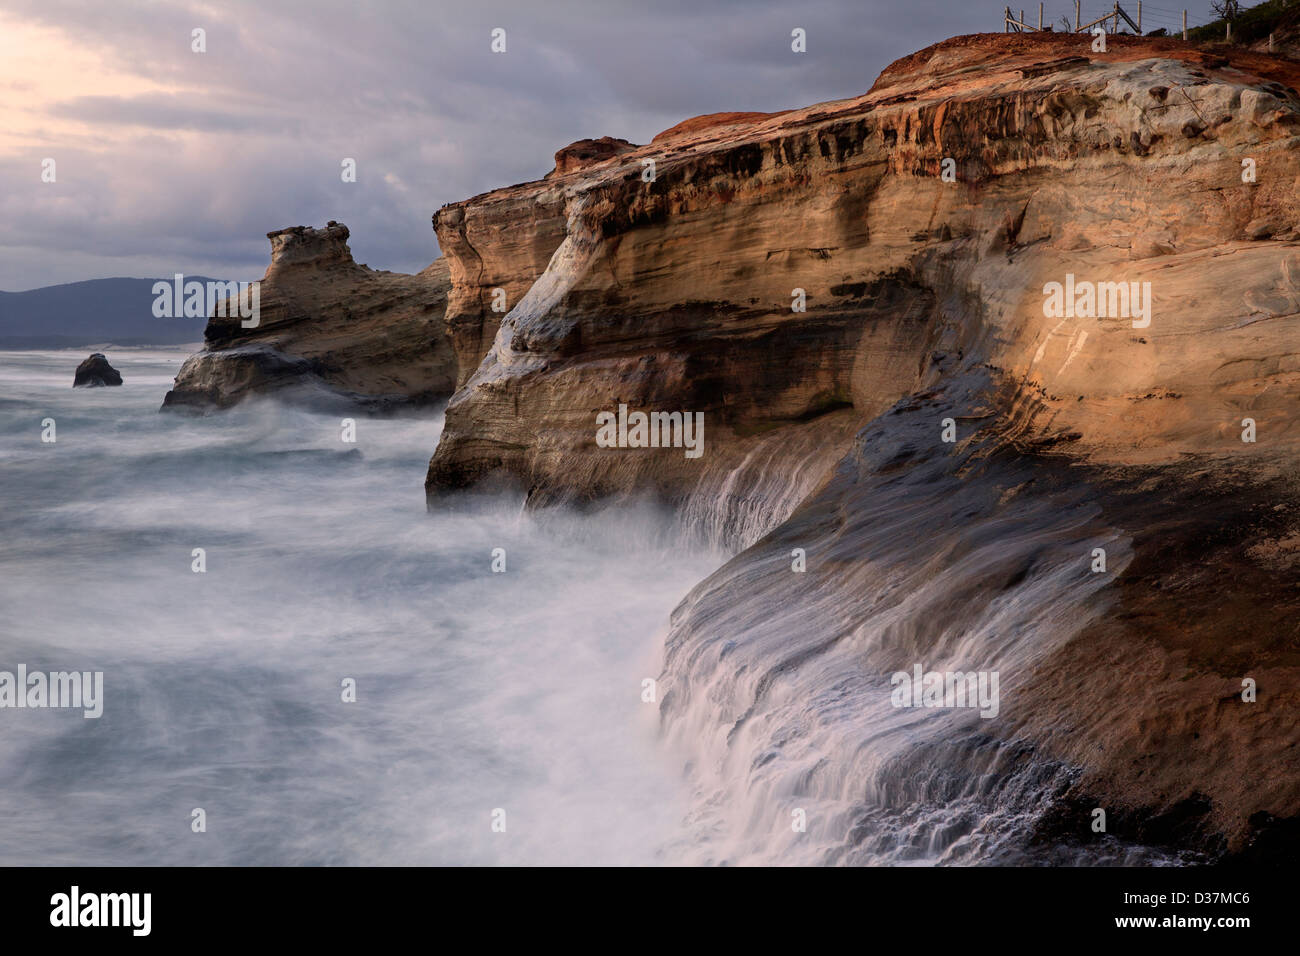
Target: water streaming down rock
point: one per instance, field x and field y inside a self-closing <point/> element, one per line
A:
<point x="733" y="506"/>
<point x="778" y="684"/>
<point x="977" y="557"/>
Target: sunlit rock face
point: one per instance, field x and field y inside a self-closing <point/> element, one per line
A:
<point x="329" y="331"/>
<point x="1021" y="301"/>
<point x="667" y="276"/>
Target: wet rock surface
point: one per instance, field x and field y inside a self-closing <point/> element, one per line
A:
<point x="95" y="372"/>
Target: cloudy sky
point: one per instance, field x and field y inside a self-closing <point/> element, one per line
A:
<point x="168" y="160"/>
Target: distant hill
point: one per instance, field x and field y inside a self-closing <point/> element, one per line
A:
<point x="95" y="312"/>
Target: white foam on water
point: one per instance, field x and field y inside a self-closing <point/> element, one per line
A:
<point x="479" y="691"/>
<point x="476" y="690"/>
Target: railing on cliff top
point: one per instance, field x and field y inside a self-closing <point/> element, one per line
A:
<point x="1164" y="19"/>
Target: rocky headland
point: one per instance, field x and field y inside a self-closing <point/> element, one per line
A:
<point x="1005" y="351"/>
<point x="921" y="227"/>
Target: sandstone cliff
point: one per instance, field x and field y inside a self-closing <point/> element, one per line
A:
<point x="1120" y="167"/>
<point x="662" y="277"/>
<point x="329" y="331"/>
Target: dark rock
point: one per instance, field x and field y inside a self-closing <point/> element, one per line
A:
<point x="96" y="371"/>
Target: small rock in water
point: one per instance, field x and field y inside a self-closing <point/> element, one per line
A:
<point x="96" y="371"/>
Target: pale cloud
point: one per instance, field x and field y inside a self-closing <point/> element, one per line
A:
<point x="44" y="64"/>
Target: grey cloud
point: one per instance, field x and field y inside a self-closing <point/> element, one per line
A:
<point x="166" y="111"/>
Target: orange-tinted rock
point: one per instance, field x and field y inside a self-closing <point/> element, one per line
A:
<point x="927" y="298"/>
<point x="711" y="121"/>
<point x="677" y="293"/>
<point x="586" y="152"/>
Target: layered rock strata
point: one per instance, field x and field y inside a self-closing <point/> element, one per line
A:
<point x="1054" y="295"/>
<point x="329" y="331"/>
<point x="677" y="292"/>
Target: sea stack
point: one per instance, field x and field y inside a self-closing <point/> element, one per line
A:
<point x="328" y="331"/>
<point x="96" y="371"/>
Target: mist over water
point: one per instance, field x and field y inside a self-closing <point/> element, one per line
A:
<point x="518" y="691"/>
<point x="476" y="690"/>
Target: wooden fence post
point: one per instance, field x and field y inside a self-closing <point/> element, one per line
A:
<point x="1184" y="26"/>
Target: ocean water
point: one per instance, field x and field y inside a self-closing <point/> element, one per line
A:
<point x="485" y="698"/>
<point x="475" y="691"/>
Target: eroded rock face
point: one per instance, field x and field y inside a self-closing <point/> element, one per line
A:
<point x="329" y="331"/>
<point x="95" y="371"/>
<point x="588" y="152"/>
<point x="677" y="293"/>
<point x="942" y="230"/>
